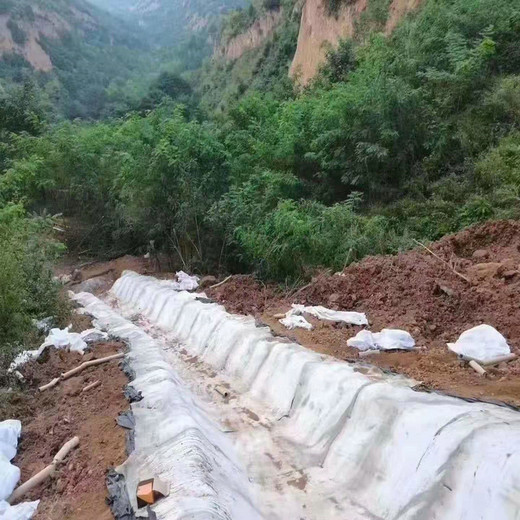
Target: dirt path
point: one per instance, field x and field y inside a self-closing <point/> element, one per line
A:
<point x="51" y="418"/>
<point x="417" y="292"/>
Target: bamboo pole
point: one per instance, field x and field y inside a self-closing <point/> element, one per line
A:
<point x="477" y="368"/>
<point x="500" y="359"/>
<point x="79" y="369"/>
<point x="91" y="386"/>
<point x="45" y="473"/>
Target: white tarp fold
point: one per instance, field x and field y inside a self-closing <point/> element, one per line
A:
<point x="482" y="343"/>
<point x="322" y="313"/>
<point x="295" y="322"/>
<point x="10" y="475"/>
<point x="387" y="339"/>
<point x="60" y="339"/>
<point x="183" y="282"/>
<point x="23" y="511"/>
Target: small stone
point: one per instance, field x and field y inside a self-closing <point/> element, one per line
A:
<point x="480" y="254"/>
<point x="508" y="275"/>
<point x="334" y="298"/>
<point x="60" y="486"/>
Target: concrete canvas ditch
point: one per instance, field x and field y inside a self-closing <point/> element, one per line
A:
<point x="300" y="435"/>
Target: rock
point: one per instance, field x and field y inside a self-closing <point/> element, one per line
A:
<point x="334" y="298"/>
<point x="207" y="281"/>
<point x="484" y="271"/>
<point x="508" y="275"/>
<point x="279" y="316"/>
<point x="73" y="386"/>
<point x="60" y="486"/>
<point x="480" y="254"/>
<point x="76" y="276"/>
<point x="443" y="289"/>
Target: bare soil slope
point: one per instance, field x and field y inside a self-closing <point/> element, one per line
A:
<point x="417" y="292"/>
<point x="51" y="418"/>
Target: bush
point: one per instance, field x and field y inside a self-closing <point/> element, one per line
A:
<point x="27" y="288"/>
<point x="297" y="237"/>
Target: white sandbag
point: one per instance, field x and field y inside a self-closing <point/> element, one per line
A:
<point x="62" y="338"/>
<point x="322" y="313"/>
<point x="482" y="343"/>
<point x="9" y="474"/>
<point x="9" y="432"/>
<point x="184" y="282"/>
<point x="387" y="339"/>
<point x="295" y="322"/>
<point x="363" y="340"/>
<point x="23" y="511"/>
<point x="59" y="338"/>
<point x="394" y="339"/>
<point x="93" y="335"/>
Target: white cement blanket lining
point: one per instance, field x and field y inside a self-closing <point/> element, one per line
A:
<point x="398" y="453"/>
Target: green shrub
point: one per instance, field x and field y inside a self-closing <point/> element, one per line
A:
<point x="27" y="288"/>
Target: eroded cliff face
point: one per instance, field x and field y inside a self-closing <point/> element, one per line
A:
<point x="44" y="24"/>
<point x="252" y="38"/>
<point x="319" y="31"/>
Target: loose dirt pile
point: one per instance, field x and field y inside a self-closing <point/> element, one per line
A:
<point x="417" y="292"/>
<point x="51" y="418"/>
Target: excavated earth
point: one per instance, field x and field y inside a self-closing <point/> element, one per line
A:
<point x="418" y="292"/>
<point x="51" y="418"/>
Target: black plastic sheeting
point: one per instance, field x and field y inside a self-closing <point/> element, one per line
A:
<point x="118" y="499"/>
<point x="127" y="369"/>
<point x="132" y="395"/>
<point x="126" y="420"/>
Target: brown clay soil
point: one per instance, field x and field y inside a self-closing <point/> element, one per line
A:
<point x="51" y="418"/>
<point x="417" y="292"/>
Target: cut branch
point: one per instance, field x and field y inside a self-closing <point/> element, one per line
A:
<point x="79" y="369"/>
<point x="447" y="264"/>
<point x="222" y="282"/>
<point x="45" y="473"/>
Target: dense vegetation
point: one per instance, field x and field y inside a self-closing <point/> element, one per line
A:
<point x="28" y="250"/>
<point x="412" y="135"/>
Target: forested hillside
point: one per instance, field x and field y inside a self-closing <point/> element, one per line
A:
<point x="409" y="133"/>
<point x="88" y="63"/>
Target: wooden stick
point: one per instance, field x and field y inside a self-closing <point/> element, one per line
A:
<point x="447" y="264"/>
<point x="477" y="368"/>
<point x="45" y="473"/>
<point x="222" y="282"/>
<point x="54" y="382"/>
<point x="87" y="364"/>
<point x="91" y="386"/>
<point x="79" y="369"/>
<point x="499" y="359"/>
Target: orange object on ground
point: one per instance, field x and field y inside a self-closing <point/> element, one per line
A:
<point x="151" y="490"/>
